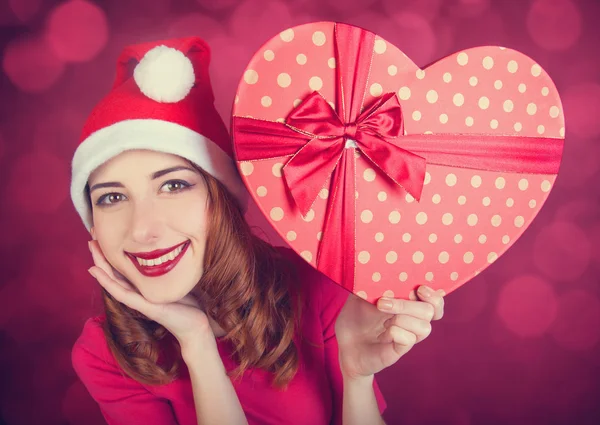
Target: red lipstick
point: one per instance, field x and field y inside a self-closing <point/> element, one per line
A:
<point x="161" y="269"/>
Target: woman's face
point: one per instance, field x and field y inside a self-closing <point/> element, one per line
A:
<point x="150" y="217"/>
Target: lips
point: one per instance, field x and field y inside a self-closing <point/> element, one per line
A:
<point x="160" y="261"/>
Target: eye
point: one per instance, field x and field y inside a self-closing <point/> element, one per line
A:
<point x="175" y="186"/>
<point x="110" y="199"/>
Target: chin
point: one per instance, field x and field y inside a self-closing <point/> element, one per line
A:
<point x="165" y="294"/>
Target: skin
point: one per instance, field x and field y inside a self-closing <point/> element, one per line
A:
<point x="144" y="212"/>
<point x="134" y="212"/>
<point x="139" y="212"/>
<point x="372" y="338"/>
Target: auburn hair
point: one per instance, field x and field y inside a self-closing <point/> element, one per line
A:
<point x="248" y="287"/>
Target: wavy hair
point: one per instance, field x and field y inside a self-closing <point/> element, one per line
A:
<point x="248" y="287"/>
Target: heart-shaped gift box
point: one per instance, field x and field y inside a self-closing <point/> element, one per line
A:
<point x="385" y="176"/>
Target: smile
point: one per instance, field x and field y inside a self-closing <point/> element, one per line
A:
<point x="160" y="261"/>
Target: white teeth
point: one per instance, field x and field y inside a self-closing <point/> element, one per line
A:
<point x="158" y="261"/>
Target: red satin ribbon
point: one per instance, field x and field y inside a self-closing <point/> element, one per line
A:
<point x="306" y="172"/>
<point x="314" y="136"/>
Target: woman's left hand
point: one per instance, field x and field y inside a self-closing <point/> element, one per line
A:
<point x="372" y="338"/>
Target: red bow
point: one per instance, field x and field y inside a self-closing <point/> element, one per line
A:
<point x="375" y="134"/>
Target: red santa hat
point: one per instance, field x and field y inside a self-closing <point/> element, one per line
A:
<point x="161" y="100"/>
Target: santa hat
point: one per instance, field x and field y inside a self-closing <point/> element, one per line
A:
<point x="161" y="100"/>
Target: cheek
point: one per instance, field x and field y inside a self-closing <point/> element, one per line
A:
<point x="109" y="232"/>
<point x="191" y="218"/>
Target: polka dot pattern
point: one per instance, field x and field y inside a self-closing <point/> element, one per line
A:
<point x="464" y="220"/>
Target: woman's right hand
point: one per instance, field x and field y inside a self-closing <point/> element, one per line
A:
<point x="184" y="318"/>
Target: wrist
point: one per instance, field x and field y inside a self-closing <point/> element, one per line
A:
<point x="197" y="346"/>
<point x="358" y="380"/>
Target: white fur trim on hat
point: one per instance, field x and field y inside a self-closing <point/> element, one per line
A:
<point x="155" y="135"/>
<point x="164" y="74"/>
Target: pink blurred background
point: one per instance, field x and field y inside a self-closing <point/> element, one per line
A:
<point x="519" y="344"/>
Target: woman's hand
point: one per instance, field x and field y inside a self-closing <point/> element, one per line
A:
<point x="184" y="318"/>
<point x="372" y="338"/>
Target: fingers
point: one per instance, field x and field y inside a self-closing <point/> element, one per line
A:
<point x="101" y="262"/>
<point x="425" y="303"/>
<point x="403" y="339"/>
<point x="119" y="292"/>
<point x="418" y="309"/>
<point x="99" y="259"/>
<point x="418" y="327"/>
<point x="435" y="298"/>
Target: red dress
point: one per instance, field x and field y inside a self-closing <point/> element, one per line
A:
<point x="313" y="397"/>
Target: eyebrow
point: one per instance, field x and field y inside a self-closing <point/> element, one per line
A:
<point x="154" y="176"/>
<point x="107" y="184"/>
<point x="158" y="174"/>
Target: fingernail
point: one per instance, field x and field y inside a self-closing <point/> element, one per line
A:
<point x="90" y="245"/>
<point x="90" y="271"/>
<point x="384" y="304"/>
<point x="412" y="296"/>
<point x="425" y="291"/>
<point x="442" y="292"/>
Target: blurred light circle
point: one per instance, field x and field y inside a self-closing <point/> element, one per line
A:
<point x="417" y="38"/>
<point x="31" y="65"/>
<point x="25" y="9"/>
<point x="77" y="30"/>
<point x="581" y="103"/>
<point x="578" y="323"/>
<point x="562" y="251"/>
<point x="428" y="9"/>
<point x="196" y="24"/>
<point x="527" y="306"/>
<point x="38" y="183"/>
<point x="554" y="24"/>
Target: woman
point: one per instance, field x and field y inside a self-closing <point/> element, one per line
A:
<point x="205" y="322"/>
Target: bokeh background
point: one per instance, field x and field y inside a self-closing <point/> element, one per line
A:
<point x="519" y="344"/>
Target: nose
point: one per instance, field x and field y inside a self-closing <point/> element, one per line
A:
<point x="146" y="224"/>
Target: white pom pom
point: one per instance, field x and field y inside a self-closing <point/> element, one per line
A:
<point x="164" y="74"/>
